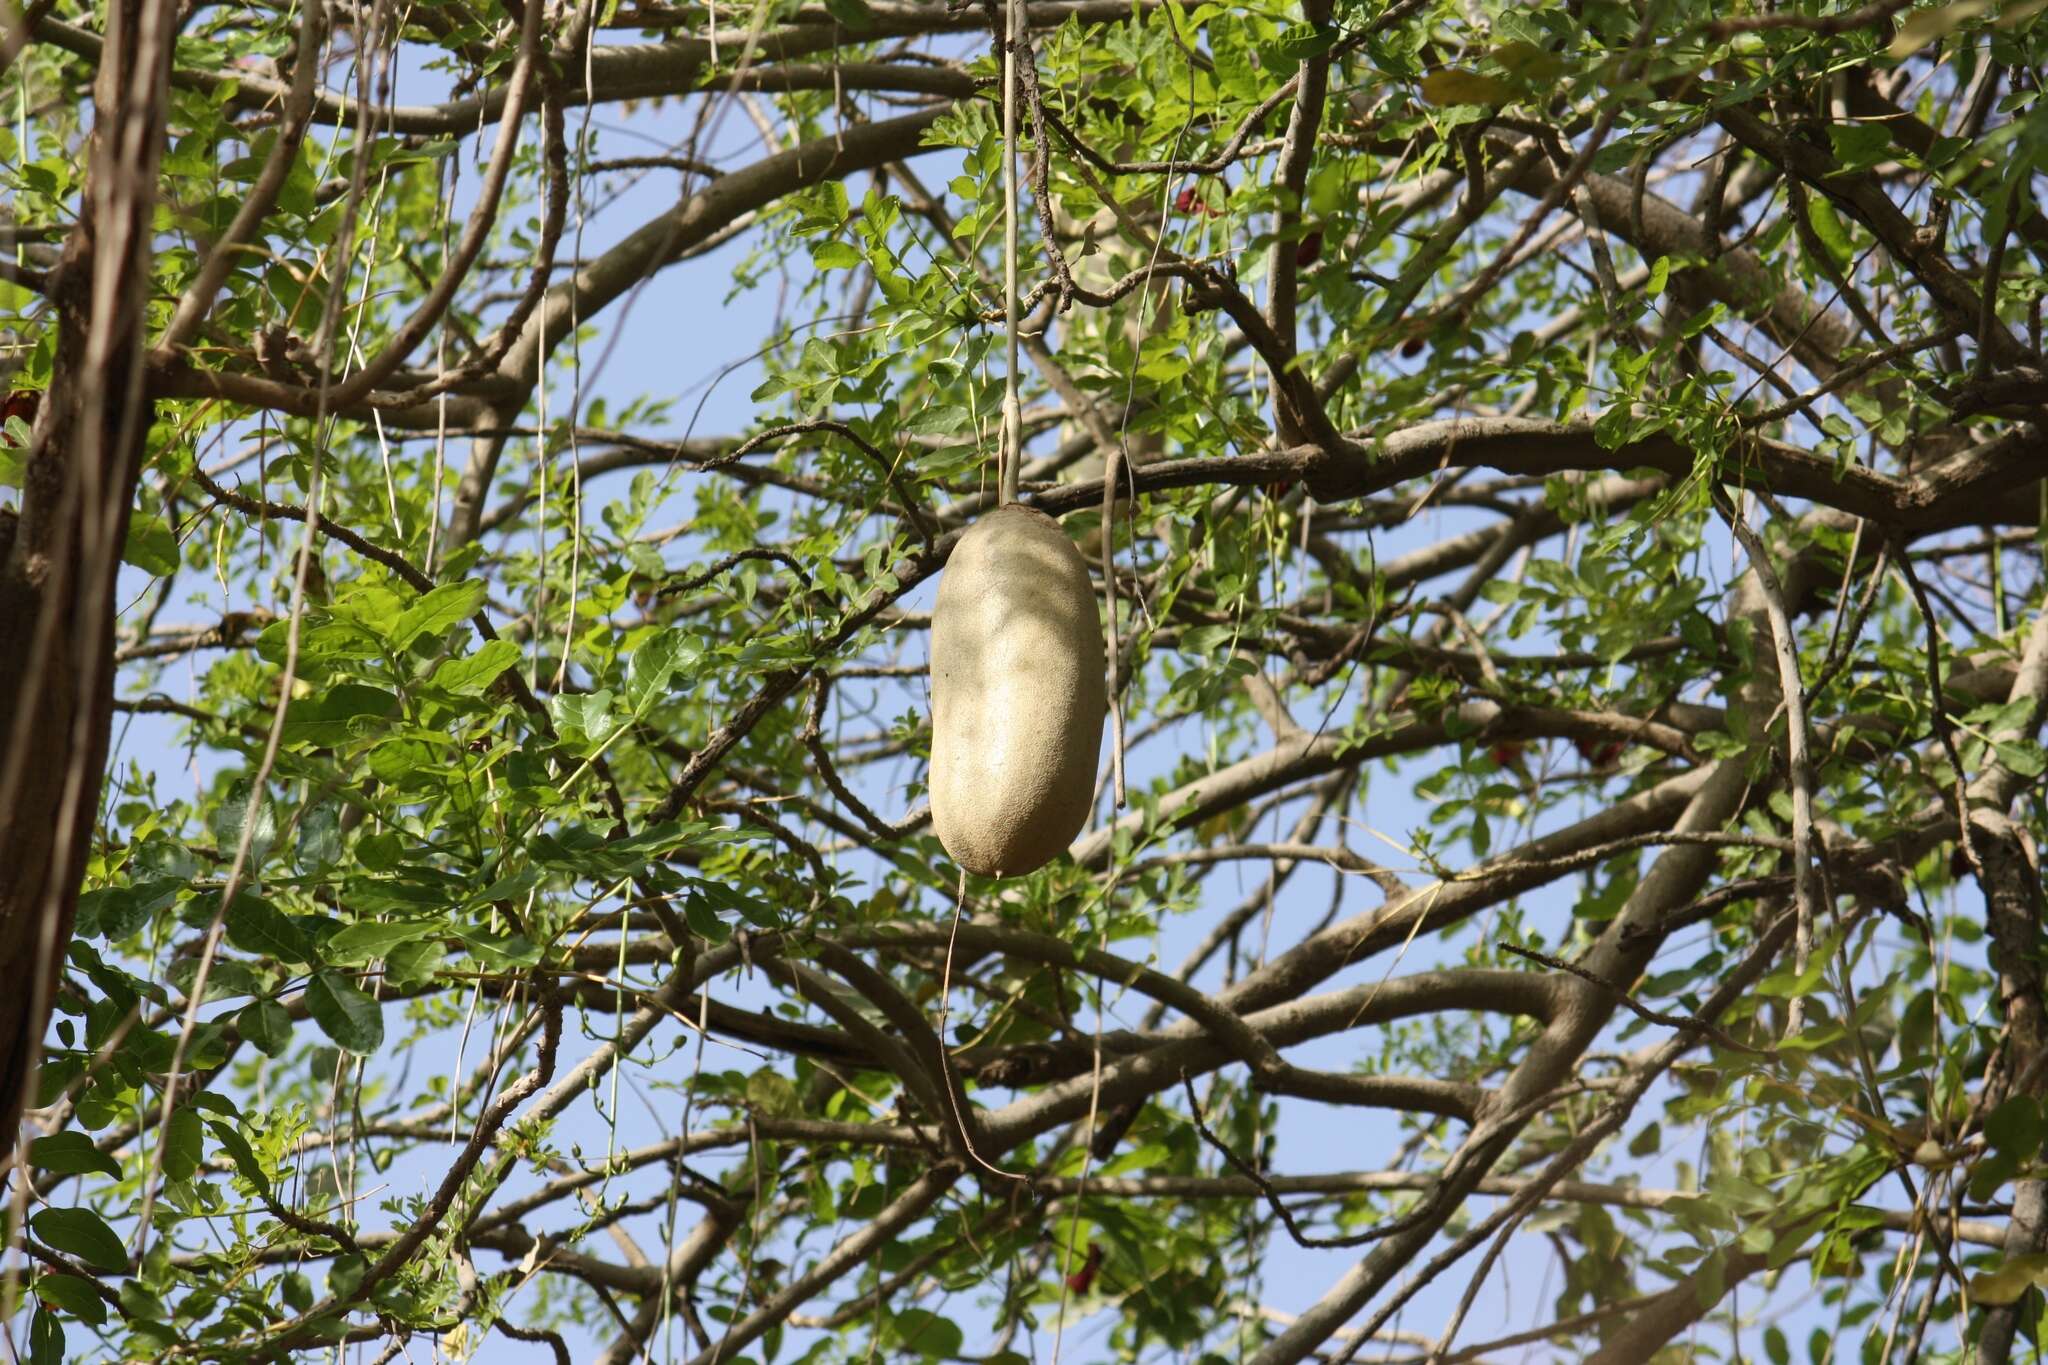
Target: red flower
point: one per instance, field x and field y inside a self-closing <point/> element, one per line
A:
<point x="1082" y="1280"/>
<point x="1598" y="752"/>
<point x="21" y="403"/>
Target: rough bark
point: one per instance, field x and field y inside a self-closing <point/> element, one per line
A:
<point x="2006" y="871"/>
<point x="1679" y="1308"/>
<point x="60" y="553"/>
<point x="2013" y="912"/>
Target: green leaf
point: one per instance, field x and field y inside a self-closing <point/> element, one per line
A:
<point x="1828" y="227"/>
<point x="259" y="928"/>
<point x="82" y="1233"/>
<point x="397" y="759"/>
<point x="433" y="614"/>
<point x="346" y="1275"/>
<point x="352" y="1019"/>
<point x="704" y="921"/>
<point x="2022" y="758"/>
<point x="589" y="715"/>
<point x="319" y="839"/>
<point x="1925" y="26"/>
<point x="501" y="951"/>
<point x="74" y="1294"/>
<point x="2016" y="1127"/>
<point x="242" y="1154"/>
<point x="942" y="420"/>
<point x="138" y="1304"/>
<point x="1304" y="41"/>
<point x="1859" y="146"/>
<point x="45" y="1339"/>
<point x="151" y="547"/>
<point x="360" y="943"/>
<point x="267" y="1025"/>
<point x="184" y="1145"/>
<point x="771" y="1093"/>
<point x="471" y="674"/>
<point x="213" y="1102"/>
<point x="917" y="1332"/>
<point x="114" y="913"/>
<point x="71" y="1153"/>
<point x="412" y="964"/>
<point x="380" y="852"/>
<point x="227" y="820"/>
<point x="227" y="979"/>
<point x="834" y="255"/>
<point x="654" y="665"/>
<point x="299" y="195"/>
<point x="339" y="713"/>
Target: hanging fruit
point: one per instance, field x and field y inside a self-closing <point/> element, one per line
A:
<point x="1017" y="695"/>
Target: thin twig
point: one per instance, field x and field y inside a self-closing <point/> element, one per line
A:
<point x="1010" y="459"/>
<point x="1272" y="1196"/>
<point x="947" y="1081"/>
<point x="1634" y="1006"/>
<point x="1944" y="728"/>
<point x="814" y="743"/>
<point x="1806" y="890"/>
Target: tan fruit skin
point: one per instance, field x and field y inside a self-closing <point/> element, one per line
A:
<point x="1017" y="695"/>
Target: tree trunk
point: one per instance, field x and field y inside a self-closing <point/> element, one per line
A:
<point x="60" y="553"/>
<point x="2012" y="902"/>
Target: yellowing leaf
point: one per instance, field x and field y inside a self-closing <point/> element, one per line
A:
<point x="2007" y="1283"/>
<point x="773" y="1095"/>
<point x="1452" y="86"/>
<point x="1528" y="63"/>
<point x="1925" y="26"/>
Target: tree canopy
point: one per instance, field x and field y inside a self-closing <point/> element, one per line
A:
<point x="1564" y="482"/>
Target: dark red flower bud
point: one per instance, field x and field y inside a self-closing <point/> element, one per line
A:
<point x="1082" y="1280"/>
<point x="1598" y="752"/>
<point x="1310" y="250"/>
